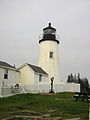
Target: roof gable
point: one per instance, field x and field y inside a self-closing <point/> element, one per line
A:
<point x="37" y="69"/>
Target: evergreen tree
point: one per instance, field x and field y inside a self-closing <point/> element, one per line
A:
<point x="69" y="79"/>
<point x="84" y="84"/>
<point x="71" y="76"/>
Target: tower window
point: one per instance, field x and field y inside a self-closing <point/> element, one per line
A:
<point x="40" y="78"/>
<point x="51" y="55"/>
<point x="6" y="74"/>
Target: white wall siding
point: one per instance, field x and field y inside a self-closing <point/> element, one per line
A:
<point x="13" y="77"/>
<point x="26" y="75"/>
<point x="1" y="75"/>
<point x="44" y="79"/>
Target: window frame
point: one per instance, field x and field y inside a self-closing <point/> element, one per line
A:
<point x="40" y="78"/>
<point x="51" y="54"/>
<point x="5" y="73"/>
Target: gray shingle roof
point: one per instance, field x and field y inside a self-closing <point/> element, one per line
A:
<point x="37" y="69"/>
<point x="6" y="64"/>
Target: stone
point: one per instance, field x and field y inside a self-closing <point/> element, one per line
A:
<point x="74" y="119"/>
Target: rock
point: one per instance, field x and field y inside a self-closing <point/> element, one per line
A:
<point x="46" y="115"/>
<point x="74" y="119"/>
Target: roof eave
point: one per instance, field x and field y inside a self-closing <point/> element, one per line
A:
<point x="11" y="68"/>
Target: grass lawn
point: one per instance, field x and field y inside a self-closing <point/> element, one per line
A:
<point x="61" y="104"/>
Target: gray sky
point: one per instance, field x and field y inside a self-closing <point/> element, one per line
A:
<point x="22" y="21"/>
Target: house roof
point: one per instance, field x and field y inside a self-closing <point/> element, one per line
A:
<point x="6" y="64"/>
<point x="37" y="69"/>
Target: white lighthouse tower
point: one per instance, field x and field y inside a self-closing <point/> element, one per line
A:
<point x="48" y="54"/>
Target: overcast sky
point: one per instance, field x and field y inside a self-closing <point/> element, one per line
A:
<point x="22" y="21"/>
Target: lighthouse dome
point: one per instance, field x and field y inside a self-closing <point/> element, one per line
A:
<point x="49" y="27"/>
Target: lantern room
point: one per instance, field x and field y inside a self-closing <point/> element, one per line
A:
<point x="49" y="33"/>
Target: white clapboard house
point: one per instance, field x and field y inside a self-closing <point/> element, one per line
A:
<point x="9" y="76"/>
<point x="33" y="78"/>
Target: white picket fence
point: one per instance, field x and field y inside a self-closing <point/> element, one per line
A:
<point x="9" y="90"/>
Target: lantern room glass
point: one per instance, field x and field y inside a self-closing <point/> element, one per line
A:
<point x="49" y="31"/>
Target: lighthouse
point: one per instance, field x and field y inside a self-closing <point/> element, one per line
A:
<point x="48" y="58"/>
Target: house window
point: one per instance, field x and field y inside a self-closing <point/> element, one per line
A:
<point x="40" y="78"/>
<point x="51" y="54"/>
<point x="6" y="74"/>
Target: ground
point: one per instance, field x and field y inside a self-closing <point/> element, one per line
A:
<point x="59" y="106"/>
